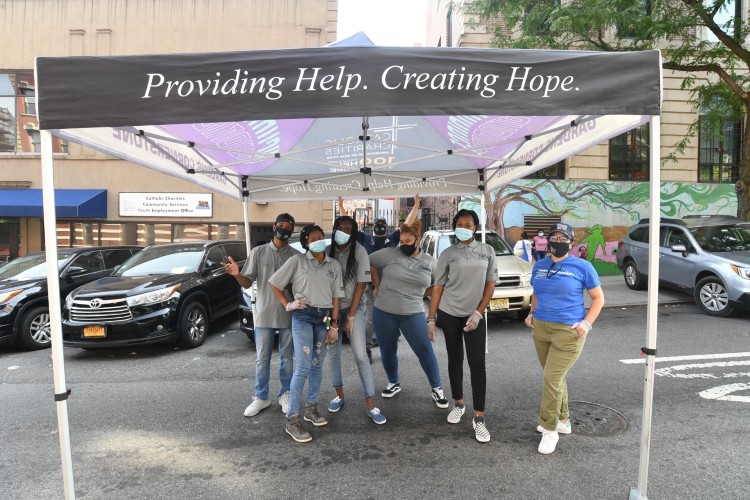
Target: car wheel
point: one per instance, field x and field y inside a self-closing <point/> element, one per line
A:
<point x="192" y="325"/>
<point x="633" y="279"/>
<point x="712" y="298"/>
<point x="35" y="332"/>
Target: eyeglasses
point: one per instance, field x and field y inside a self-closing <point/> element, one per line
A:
<point x="561" y="239"/>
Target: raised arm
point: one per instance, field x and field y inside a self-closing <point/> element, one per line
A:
<point x="414" y="211"/>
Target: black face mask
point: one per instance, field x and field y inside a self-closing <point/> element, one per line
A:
<point x="558" y="248"/>
<point x="282" y="234"/>
<point x="408" y="250"/>
<point x="379" y="230"/>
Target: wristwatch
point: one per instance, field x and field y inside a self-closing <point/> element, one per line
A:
<point x="430" y="320"/>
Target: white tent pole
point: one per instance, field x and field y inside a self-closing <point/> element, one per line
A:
<point x="245" y="214"/>
<point x="652" y="310"/>
<point x="53" y="285"/>
<point x="482" y="217"/>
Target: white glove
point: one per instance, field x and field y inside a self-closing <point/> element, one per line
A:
<point x="473" y="322"/>
<point x="296" y="304"/>
<point x="582" y="328"/>
<point x="529" y="320"/>
<point x="431" y="331"/>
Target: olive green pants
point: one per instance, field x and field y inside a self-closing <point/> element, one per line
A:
<point x="558" y="348"/>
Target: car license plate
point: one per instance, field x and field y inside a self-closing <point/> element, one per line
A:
<point x="499" y="304"/>
<point x="94" y="331"/>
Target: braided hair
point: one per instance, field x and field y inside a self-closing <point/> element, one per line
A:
<point x="466" y="213"/>
<point x="350" y="273"/>
<point x="305" y="234"/>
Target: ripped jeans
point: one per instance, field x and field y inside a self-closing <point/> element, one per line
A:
<point x="309" y="337"/>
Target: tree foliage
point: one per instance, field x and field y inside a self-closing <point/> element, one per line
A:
<point x="716" y="73"/>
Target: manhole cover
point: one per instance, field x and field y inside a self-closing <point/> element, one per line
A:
<point x="591" y="419"/>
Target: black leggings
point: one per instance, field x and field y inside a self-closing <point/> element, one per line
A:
<point x="453" y="330"/>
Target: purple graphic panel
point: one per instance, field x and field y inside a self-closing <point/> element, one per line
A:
<point x="240" y="140"/>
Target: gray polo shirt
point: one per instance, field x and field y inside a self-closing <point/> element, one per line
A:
<point x="362" y="275"/>
<point x="263" y="262"/>
<point x="403" y="280"/>
<point x="464" y="270"/>
<point x="318" y="283"/>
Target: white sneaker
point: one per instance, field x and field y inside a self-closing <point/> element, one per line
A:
<point x="549" y="442"/>
<point x="284" y="402"/>
<point x="455" y="414"/>
<point x="256" y="406"/>
<point x="562" y="427"/>
<point x="480" y="429"/>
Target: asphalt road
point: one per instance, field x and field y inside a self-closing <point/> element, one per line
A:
<point x="159" y="422"/>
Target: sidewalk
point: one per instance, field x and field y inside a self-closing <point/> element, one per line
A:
<point x="617" y="294"/>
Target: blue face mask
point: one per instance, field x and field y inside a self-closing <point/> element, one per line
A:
<point x="464" y="234"/>
<point x="341" y="238"/>
<point x="317" y="246"/>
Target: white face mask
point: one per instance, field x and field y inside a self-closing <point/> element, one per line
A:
<point x="541" y="233"/>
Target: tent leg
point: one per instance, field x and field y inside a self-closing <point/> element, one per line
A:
<point x="482" y="221"/>
<point x="639" y="493"/>
<point x="245" y="209"/>
<point x="53" y="283"/>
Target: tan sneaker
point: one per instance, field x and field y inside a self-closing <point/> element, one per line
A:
<point x="294" y="428"/>
<point x="312" y="416"/>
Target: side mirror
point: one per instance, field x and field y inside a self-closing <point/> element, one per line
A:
<point x="73" y="271"/>
<point x="679" y="248"/>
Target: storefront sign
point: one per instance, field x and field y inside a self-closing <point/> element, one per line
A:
<point x="166" y="205"/>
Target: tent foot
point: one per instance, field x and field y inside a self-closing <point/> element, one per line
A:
<point x="636" y="495"/>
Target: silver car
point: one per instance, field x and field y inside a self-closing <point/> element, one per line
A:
<point x="707" y="256"/>
<point x="513" y="288"/>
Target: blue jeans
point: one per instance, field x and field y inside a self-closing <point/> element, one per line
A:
<point x="309" y="335"/>
<point x="539" y="255"/>
<point x="264" y="338"/>
<point x="414" y="329"/>
<point x="357" y="342"/>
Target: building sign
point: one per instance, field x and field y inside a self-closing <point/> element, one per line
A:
<point x="166" y="205"/>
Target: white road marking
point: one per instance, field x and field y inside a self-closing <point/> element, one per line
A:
<point x="687" y="358"/>
<point x="722" y="393"/>
<point x="668" y="371"/>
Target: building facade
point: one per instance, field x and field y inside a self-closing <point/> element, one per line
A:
<point x="127" y="27"/>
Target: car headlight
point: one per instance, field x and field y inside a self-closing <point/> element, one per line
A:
<point x="154" y="297"/>
<point x="743" y="272"/>
<point x="5" y="297"/>
<point x="526" y="279"/>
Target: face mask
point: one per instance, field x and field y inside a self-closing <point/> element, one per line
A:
<point x="540" y="233"/>
<point x="341" y="238"/>
<point x="558" y="248"/>
<point x="464" y="234"/>
<point x="408" y="250"/>
<point x="283" y="234"/>
<point x="317" y="246"/>
<point x="379" y="230"/>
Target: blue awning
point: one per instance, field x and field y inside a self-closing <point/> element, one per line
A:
<point x="89" y="203"/>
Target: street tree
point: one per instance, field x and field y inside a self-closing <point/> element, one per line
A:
<point x="705" y="40"/>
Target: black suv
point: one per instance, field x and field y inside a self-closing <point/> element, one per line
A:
<point x="24" y="309"/>
<point x="165" y="293"/>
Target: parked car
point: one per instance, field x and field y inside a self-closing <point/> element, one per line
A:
<point x="165" y="293"/>
<point x="708" y="256"/>
<point x="24" y="307"/>
<point x="513" y="288"/>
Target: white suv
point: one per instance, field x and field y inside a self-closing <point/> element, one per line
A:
<point x="512" y="289"/>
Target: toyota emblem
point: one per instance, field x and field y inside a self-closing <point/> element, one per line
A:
<point x="95" y="304"/>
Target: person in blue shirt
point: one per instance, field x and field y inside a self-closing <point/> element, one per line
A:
<point x="560" y="324"/>
<point x="379" y="240"/>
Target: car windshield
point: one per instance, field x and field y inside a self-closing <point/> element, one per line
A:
<point x="30" y="267"/>
<point x="730" y="238"/>
<point x="495" y="241"/>
<point x="162" y="260"/>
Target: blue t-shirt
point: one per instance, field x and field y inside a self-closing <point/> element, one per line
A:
<point x="559" y="288"/>
<point x="375" y="243"/>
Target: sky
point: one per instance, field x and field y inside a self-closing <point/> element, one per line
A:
<point x="386" y="22"/>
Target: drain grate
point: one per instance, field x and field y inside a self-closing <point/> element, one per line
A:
<point x="591" y="419"/>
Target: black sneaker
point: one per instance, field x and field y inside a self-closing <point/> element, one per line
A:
<point x="391" y="390"/>
<point x="439" y="397"/>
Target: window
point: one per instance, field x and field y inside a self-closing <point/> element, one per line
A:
<point x="556" y="171"/>
<point x="628" y="155"/>
<point x="678" y="237"/>
<point x="89" y="262"/>
<point x="19" y="128"/>
<point x="113" y="258"/>
<point x="719" y="153"/>
<point x="640" y="235"/>
<point x="238" y="251"/>
<point x="729" y="18"/>
<point x="431" y="246"/>
<point x="214" y="257"/>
